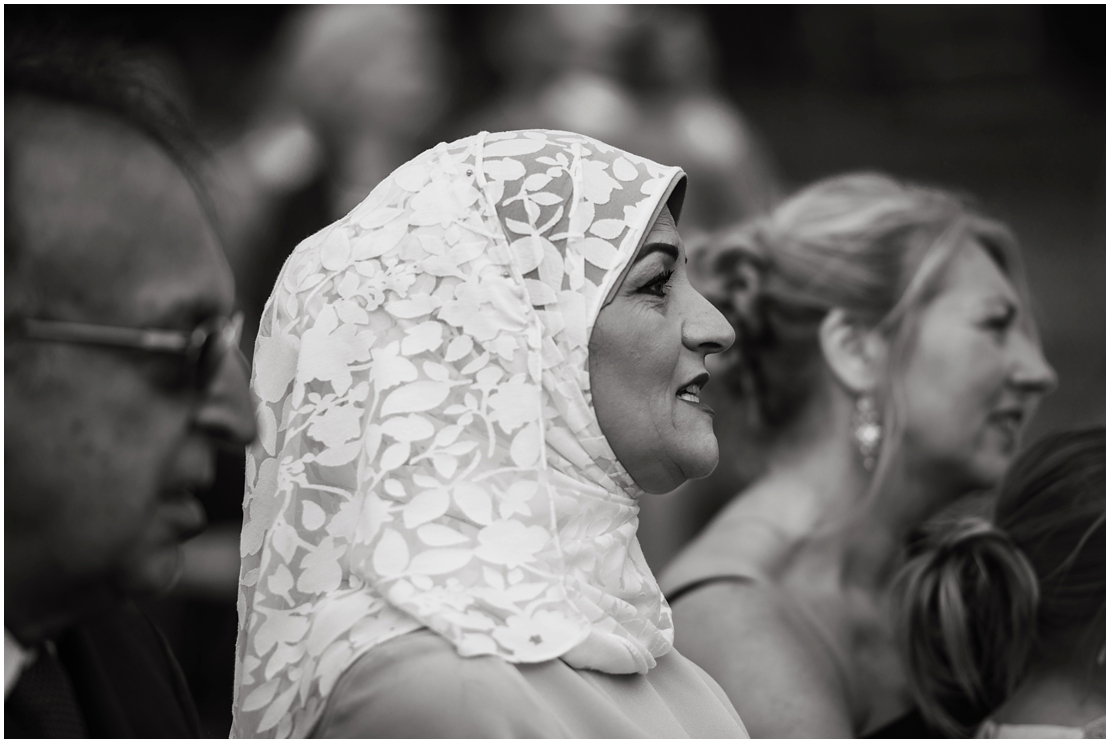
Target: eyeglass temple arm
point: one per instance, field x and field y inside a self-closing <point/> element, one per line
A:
<point x="75" y="332"/>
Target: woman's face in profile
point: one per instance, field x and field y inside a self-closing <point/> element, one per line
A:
<point x="647" y="366"/>
<point x="975" y="375"/>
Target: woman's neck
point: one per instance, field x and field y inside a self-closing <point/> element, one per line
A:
<point x="809" y="481"/>
<point x="875" y="538"/>
<point x="816" y="487"/>
<point x="1053" y="696"/>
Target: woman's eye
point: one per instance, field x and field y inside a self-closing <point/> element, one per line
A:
<point x="659" y="285"/>
<point x="999" y="323"/>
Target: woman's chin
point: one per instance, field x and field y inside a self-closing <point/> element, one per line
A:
<point x="988" y="469"/>
<point x="701" y="463"/>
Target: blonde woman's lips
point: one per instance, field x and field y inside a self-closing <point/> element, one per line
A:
<point x="1008" y="422"/>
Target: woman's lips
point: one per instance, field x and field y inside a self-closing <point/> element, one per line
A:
<point x="690" y="393"/>
<point x="1008" y="423"/>
<point x="696" y="403"/>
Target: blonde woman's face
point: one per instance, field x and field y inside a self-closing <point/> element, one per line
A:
<point x="647" y="366"/>
<point x="974" y="377"/>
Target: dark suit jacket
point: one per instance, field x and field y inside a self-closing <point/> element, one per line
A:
<point x="125" y="679"/>
<point x="910" y="725"/>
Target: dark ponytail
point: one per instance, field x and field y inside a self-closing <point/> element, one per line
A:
<point x="967" y="621"/>
<point x="979" y="599"/>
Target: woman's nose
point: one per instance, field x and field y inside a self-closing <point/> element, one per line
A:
<point x="705" y="329"/>
<point x="1031" y="370"/>
<point x="225" y="413"/>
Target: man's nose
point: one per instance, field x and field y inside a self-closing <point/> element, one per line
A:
<point x="226" y="414"/>
<point x="1031" y="370"/>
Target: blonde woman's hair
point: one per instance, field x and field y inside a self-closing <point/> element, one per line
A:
<point x="979" y="598"/>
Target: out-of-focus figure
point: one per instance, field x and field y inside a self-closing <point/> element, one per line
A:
<point x="688" y="121"/>
<point x="122" y="376"/>
<point x="562" y="69"/>
<point x="369" y="82"/>
<point x="353" y="92"/>
<point x="887" y="357"/>
<point x="1006" y="616"/>
<point x="642" y="79"/>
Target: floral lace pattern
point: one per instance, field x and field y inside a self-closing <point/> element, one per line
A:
<point x="428" y="453"/>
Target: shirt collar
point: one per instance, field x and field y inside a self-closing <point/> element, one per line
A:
<point x="16" y="659"/>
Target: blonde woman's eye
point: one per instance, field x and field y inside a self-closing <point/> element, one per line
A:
<point x="1000" y="322"/>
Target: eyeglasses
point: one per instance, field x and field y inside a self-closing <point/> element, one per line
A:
<point x="202" y="349"/>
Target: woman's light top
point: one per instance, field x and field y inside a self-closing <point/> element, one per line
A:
<point x="428" y="454"/>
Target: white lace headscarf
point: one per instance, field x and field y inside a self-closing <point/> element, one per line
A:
<point x="428" y="453"/>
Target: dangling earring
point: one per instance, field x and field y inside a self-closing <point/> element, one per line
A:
<point x="867" y="430"/>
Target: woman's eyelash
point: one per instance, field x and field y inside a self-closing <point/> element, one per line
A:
<point x="659" y="285"/>
<point x="1001" y="321"/>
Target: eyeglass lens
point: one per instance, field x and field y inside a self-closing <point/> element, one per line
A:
<point x="221" y="339"/>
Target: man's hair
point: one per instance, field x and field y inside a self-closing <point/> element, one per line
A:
<point x="99" y="75"/>
<point x="62" y="68"/>
<point x="102" y="75"/>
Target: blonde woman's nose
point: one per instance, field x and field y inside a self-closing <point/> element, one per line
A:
<point x="1031" y="370"/>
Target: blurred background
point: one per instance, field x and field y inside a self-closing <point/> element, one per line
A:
<point x="304" y="110"/>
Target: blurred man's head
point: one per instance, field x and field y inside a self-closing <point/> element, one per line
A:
<point x="104" y="445"/>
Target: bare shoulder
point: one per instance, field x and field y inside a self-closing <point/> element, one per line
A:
<point x="417" y="686"/>
<point x="746" y="636"/>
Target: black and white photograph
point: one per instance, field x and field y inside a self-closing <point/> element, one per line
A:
<point x="555" y="371"/>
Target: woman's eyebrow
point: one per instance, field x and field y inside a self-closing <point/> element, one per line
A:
<point x="657" y="247"/>
<point x="1000" y="302"/>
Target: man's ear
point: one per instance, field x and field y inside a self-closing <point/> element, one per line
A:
<point x="855" y="354"/>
